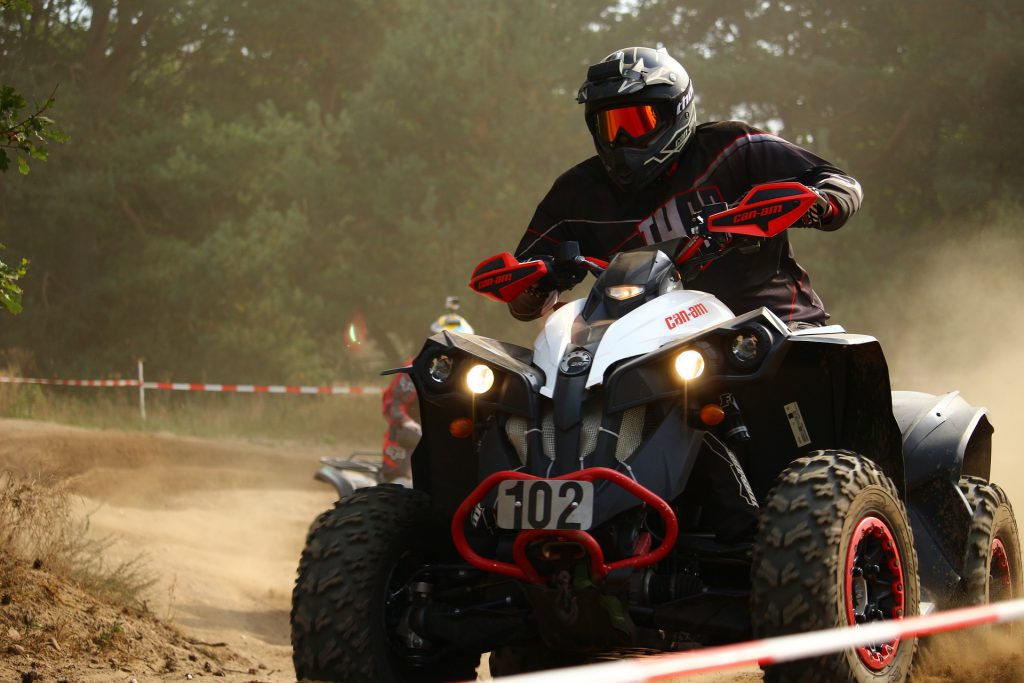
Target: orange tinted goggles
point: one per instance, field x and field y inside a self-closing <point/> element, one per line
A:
<point x="635" y="121"/>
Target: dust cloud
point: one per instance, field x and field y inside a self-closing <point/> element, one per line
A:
<point x="957" y="326"/>
<point x="985" y="655"/>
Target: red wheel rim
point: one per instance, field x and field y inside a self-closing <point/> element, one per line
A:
<point x="1000" y="583"/>
<point x="874" y="589"/>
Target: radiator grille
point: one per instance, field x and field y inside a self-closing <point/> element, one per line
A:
<point x="632" y="431"/>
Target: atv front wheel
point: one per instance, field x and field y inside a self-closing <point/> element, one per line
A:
<point x="350" y="603"/>
<point x="992" y="568"/>
<point x="834" y="548"/>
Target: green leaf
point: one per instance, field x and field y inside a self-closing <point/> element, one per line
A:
<point x="22" y="166"/>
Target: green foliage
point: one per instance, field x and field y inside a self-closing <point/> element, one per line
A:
<point x="249" y="177"/>
<point x="26" y="134"/>
<point x="10" y="292"/>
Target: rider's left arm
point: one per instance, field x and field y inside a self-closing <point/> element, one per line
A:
<point x="774" y="158"/>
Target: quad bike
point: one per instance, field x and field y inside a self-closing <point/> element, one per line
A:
<point x="579" y="500"/>
<point x="370" y="468"/>
<point x="359" y="470"/>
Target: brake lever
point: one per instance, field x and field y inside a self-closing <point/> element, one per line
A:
<point x="702" y="217"/>
<point x="588" y="264"/>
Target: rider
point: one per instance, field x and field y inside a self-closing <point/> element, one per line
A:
<point x="655" y="167"/>
<point x="401" y="409"/>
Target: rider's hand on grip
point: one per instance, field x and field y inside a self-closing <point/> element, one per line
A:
<point x="564" y="270"/>
<point x="700" y="219"/>
<point x="820" y="211"/>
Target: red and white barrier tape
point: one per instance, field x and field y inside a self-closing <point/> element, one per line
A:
<point x="777" y="650"/>
<point x="188" y="386"/>
<point x="72" y="382"/>
<point x="260" y="388"/>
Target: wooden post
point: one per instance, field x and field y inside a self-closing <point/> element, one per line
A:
<point x="142" y="393"/>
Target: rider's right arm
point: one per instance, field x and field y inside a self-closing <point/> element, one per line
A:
<point x="543" y="233"/>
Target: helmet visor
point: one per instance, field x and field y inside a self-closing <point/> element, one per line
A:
<point x="634" y="122"/>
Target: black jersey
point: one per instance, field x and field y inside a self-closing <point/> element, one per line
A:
<point x="720" y="163"/>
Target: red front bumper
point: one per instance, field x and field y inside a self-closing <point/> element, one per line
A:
<point x="523" y="569"/>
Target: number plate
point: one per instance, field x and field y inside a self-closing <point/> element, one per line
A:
<point x="545" y="504"/>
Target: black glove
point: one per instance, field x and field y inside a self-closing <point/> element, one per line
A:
<point x="563" y="275"/>
<point x="564" y="272"/>
<point x="820" y="211"/>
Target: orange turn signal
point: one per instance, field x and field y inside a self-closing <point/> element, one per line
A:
<point x="712" y="414"/>
<point x="461" y="428"/>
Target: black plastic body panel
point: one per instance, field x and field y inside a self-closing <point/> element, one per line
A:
<point x="944" y="438"/>
<point x="444" y="466"/>
<point x="839" y="383"/>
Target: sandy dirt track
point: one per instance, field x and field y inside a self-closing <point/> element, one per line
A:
<point x="221" y="525"/>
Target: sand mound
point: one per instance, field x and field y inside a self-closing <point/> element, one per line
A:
<point x="52" y="630"/>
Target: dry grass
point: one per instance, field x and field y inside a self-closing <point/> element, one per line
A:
<point x="38" y="526"/>
<point x="312" y="419"/>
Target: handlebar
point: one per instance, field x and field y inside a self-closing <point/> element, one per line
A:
<point x="764" y="212"/>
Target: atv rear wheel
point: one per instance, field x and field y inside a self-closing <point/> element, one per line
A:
<point x="349" y="608"/>
<point x="992" y="568"/>
<point x="834" y="548"/>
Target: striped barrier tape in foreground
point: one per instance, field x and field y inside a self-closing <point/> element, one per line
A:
<point x="777" y="650"/>
<point x="191" y="386"/>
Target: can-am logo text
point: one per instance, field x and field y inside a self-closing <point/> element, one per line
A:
<point x="494" y="281"/>
<point x="685" y="315"/>
<point x="757" y="213"/>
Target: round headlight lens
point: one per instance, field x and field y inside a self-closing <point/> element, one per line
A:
<point x="689" y="364"/>
<point x="479" y="379"/>
<point x="441" y="367"/>
<point x="749" y="346"/>
<point x="745" y="348"/>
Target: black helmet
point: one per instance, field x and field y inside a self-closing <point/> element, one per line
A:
<point x="639" y="108"/>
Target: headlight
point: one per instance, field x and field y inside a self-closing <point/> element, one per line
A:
<point x="440" y="368"/>
<point x="623" y="292"/>
<point x="479" y="379"/>
<point x="689" y="365"/>
<point x="749" y="347"/>
<point x="744" y="348"/>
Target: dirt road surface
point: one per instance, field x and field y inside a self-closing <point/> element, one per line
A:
<point x="220" y="524"/>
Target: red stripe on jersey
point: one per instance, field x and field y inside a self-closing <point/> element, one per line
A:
<point x="543" y="236"/>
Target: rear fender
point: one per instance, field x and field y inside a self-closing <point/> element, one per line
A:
<point x="944" y="438"/>
<point x="331" y="476"/>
